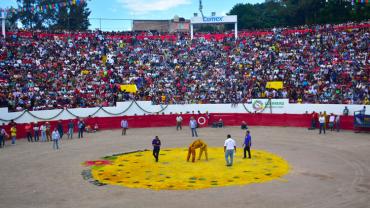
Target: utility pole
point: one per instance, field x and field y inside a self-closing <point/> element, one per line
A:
<point x="201" y="8"/>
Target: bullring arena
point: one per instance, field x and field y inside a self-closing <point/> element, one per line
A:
<point x="329" y="170"/>
<point x="283" y="85"/>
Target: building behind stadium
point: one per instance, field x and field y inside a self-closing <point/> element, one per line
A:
<point x="177" y="24"/>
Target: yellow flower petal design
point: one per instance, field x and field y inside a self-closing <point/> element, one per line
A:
<point x="173" y="172"/>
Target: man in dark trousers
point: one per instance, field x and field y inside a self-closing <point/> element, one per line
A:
<point x="247" y="145"/>
<point x="81" y="128"/>
<point x="156" y="147"/>
<point x="60" y="128"/>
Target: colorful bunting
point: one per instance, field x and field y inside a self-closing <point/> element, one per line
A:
<point x="41" y="8"/>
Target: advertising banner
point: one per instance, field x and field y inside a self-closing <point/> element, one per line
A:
<point x="214" y="19"/>
<point x="131" y="88"/>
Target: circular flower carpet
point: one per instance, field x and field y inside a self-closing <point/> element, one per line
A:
<point x="173" y="172"/>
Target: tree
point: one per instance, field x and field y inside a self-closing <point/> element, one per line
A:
<point x="298" y="12"/>
<point x="11" y="20"/>
<point x="29" y="18"/>
<point x="68" y="17"/>
<point x="75" y="18"/>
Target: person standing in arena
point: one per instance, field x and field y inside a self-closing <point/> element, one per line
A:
<point x="36" y="131"/>
<point x="71" y="126"/>
<point x="124" y="126"/>
<point x="81" y="128"/>
<point x="48" y="131"/>
<point x="60" y="128"/>
<point x="322" y="123"/>
<point x="337" y="122"/>
<point x="229" y="148"/>
<point x="55" y="137"/>
<point x="156" y="147"/>
<point x="178" y="122"/>
<point x="247" y="145"/>
<point x="2" y="136"/>
<point x="13" y="133"/>
<point x="193" y="126"/>
<point x="331" y="121"/>
<point x="28" y="129"/>
<point x="314" y="119"/>
<point x="43" y="132"/>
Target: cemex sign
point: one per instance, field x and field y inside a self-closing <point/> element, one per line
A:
<point x="214" y="20"/>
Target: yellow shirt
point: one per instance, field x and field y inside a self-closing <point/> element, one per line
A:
<point x="198" y="144"/>
<point x="13" y="131"/>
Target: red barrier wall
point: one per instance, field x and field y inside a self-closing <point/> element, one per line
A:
<point x="174" y="37"/>
<point x="259" y="119"/>
<point x="229" y="119"/>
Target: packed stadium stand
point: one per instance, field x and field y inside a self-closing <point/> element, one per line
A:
<point x="41" y="71"/>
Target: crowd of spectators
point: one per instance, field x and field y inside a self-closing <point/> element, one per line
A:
<point x="322" y="66"/>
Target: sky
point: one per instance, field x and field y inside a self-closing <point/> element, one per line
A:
<point x="146" y="9"/>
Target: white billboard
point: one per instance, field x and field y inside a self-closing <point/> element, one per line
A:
<point x="214" y="19"/>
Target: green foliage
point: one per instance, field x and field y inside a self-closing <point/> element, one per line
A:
<point x="72" y="17"/>
<point x="298" y="12"/>
<point x="11" y="21"/>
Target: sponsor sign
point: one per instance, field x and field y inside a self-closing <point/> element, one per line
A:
<point x="259" y="105"/>
<point x="274" y="85"/>
<point x="130" y="88"/>
<point x="214" y="19"/>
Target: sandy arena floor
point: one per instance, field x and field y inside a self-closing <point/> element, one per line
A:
<point x="331" y="170"/>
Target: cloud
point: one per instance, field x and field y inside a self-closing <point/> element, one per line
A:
<point x="145" y="6"/>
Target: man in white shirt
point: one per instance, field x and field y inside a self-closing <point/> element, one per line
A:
<point x="193" y="126"/>
<point x="322" y="122"/>
<point x="229" y="148"/>
<point x="55" y="137"/>
<point x="124" y="126"/>
<point x="331" y="122"/>
<point x="178" y="122"/>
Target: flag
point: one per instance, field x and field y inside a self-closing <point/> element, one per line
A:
<point x="130" y="88"/>
<point x="274" y="85"/>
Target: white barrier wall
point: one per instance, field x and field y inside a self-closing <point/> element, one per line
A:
<point x="278" y="106"/>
